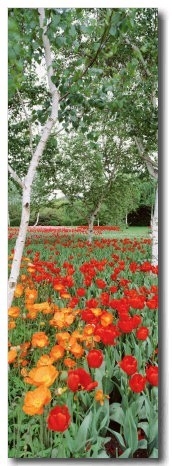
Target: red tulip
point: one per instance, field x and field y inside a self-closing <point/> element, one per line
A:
<point x="79" y="379"/>
<point x="137" y="383"/>
<point x="152" y="375"/>
<point x="128" y="364"/>
<point x="95" y="358"/>
<point x="58" y="419"/>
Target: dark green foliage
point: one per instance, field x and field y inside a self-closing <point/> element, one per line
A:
<point x="141" y="217"/>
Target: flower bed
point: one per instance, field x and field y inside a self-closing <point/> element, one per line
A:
<point x="83" y="356"/>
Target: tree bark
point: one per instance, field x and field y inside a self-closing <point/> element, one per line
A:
<point x="155" y="231"/>
<point x="91" y="222"/>
<point x="27" y="183"/>
<point x="37" y="220"/>
<point x="153" y="171"/>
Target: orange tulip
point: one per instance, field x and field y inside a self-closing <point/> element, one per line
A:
<point x="24" y="362"/>
<point x="62" y="337"/>
<point x="96" y="311"/>
<point x="89" y="330"/>
<point x="39" y="306"/>
<point x="35" y="400"/>
<point x="106" y="318"/>
<point x="31" y="269"/>
<point x="62" y="318"/>
<point x="44" y="360"/>
<point x="100" y="396"/>
<point x="23" y="278"/>
<point x="58" y="287"/>
<point x="47" y="310"/>
<point x="11" y="325"/>
<point x="23" y="372"/>
<point x="39" y="340"/>
<point x="31" y="295"/>
<point x="18" y="290"/>
<point x="43" y="375"/>
<point x="14" y="311"/>
<point x="68" y="362"/>
<point x="57" y="352"/>
<point x="65" y="295"/>
<point x="31" y="314"/>
<point x="25" y="346"/>
<point x="77" y="335"/>
<point x="12" y="354"/>
<point x="77" y="350"/>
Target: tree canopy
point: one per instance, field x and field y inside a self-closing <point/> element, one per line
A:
<point x="104" y="60"/>
<point x="105" y="63"/>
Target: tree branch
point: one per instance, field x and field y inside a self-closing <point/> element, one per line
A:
<point x="15" y="176"/>
<point x="136" y="49"/>
<point x="139" y="53"/>
<point x="28" y="121"/>
<point x="46" y="43"/>
<point x="151" y="166"/>
<point x="92" y="61"/>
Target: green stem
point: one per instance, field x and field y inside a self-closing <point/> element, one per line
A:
<point x="19" y="419"/>
<point x="42" y="432"/>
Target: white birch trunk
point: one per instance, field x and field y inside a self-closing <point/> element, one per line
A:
<point x="37" y="220"/>
<point x="27" y="184"/>
<point x="91" y="222"/>
<point x="155" y="232"/>
<point x="153" y="171"/>
<point x="152" y="210"/>
<point x="91" y="228"/>
<point x="126" y="220"/>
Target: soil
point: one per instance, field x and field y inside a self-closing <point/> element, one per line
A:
<point x="113" y="449"/>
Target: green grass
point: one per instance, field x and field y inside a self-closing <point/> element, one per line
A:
<point x="130" y="232"/>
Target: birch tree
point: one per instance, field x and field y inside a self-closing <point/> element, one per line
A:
<point x="26" y="183"/>
<point x="87" y="167"/>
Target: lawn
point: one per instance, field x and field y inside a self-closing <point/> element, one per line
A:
<point x="130" y="232"/>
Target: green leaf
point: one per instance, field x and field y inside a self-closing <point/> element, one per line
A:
<point x="54" y="453"/>
<point x="149" y="347"/>
<point x="126" y="454"/>
<point x="95" y="71"/>
<point x="72" y="31"/>
<point x="142" y="444"/>
<point x="59" y="452"/>
<point x="154" y="453"/>
<point x="117" y="414"/>
<point x="130" y="431"/>
<point x="145" y="427"/>
<point x="99" y="373"/>
<point x="153" y="430"/>
<point x="103" y="454"/>
<point x="82" y="434"/>
<point x="112" y="31"/>
<point x="70" y="441"/>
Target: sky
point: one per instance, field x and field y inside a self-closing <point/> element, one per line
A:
<point x="165" y="13"/>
